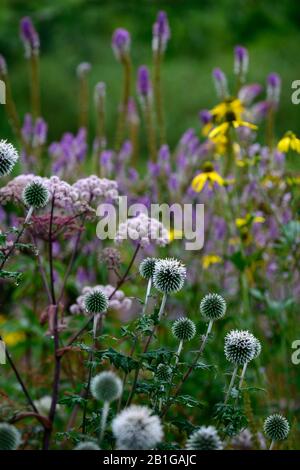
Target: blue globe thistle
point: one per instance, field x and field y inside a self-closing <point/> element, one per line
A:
<point x="10" y="437"/>
<point x="204" y="438"/>
<point x="8" y="157"/>
<point x="35" y="194"/>
<point x="184" y="329"/>
<point x="106" y="387"/>
<point x="147" y="267"/>
<point x="169" y="275"/>
<point x="96" y="302"/>
<point x="239" y="347"/>
<point x="276" y="427"/>
<point x="213" y="307"/>
<point x="163" y="372"/>
<point x="87" y="445"/>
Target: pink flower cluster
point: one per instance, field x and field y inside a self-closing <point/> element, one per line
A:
<point x="144" y="230"/>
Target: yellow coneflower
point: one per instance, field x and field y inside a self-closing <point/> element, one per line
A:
<point x="209" y="175"/>
<point x="208" y="260"/>
<point x="229" y="114"/>
<point x="249" y="219"/>
<point x="289" y="142"/>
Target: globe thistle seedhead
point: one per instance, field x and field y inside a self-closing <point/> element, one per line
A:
<point x="8" y="157"/>
<point x="135" y="428"/>
<point x="87" y="445"/>
<point x="204" y="438"/>
<point x="213" y="307"/>
<point x="96" y="302"/>
<point x="10" y="437"/>
<point x="184" y="329"/>
<point x="276" y="427"/>
<point x="35" y="195"/>
<point x="239" y="347"/>
<point x="147" y="267"/>
<point x="163" y="372"/>
<point x="106" y="387"/>
<point x="256" y="348"/>
<point x="169" y="275"/>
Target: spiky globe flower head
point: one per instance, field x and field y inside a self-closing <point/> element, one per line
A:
<point x="256" y="348"/>
<point x="96" y="302"/>
<point x="213" y="307"/>
<point x="147" y="267"/>
<point x="204" y="438"/>
<point x="35" y="194"/>
<point x="239" y="347"/>
<point x="184" y="329"/>
<point x="135" y="428"/>
<point x="87" y="445"/>
<point x="8" y="157"/>
<point x="10" y="438"/>
<point x="106" y="387"/>
<point x="163" y="372"/>
<point x="276" y="427"/>
<point x="169" y="275"/>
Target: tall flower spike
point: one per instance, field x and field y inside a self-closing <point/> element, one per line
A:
<point x="204" y="438"/>
<point x="29" y="37"/>
<point x="273" y="88"/>
<point x="161" y="33"/>
<point x="10" y="437"/>
<point x="213" y="307"/>
<point x="220" y="82"/>
<point x="135" y="428"/>
<point x="8" y="157"/>
<point x="144" y="88"/>
<point x="169" y="275"/>
<point x="121" y="43"/>
<point x="241" y="61"/>
<point x="96" y="302"/>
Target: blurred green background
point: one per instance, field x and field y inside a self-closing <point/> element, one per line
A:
<point x="203" y="36"/>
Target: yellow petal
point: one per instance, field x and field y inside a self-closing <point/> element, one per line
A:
<point x="259" y="219"/>
<point x="284" y="144"/>
<point x="199" y="182"/>
<point x="216" y="178"/>
<point x="221" y="129"/>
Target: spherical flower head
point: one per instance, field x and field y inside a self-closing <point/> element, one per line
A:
<point x="239" y="347"/>
<point x="121" y="42"/>
<point x="143" y="82"/>
<point x="96" y="302"/>
<point x="135" y="428"/>
<point x="163" y="372"/>
<point x="147" y="267"/>
<point x="10" y="438"/>
<point x="204" y="438"/>
<point x="35" y="194"/>
<point x="256" y="348"/>
<point x="184" y="329"/>
<point x="213" y="307"/>
<point x="276" y="427"/>
<point x="8" y="157"/>
<point x="169" y="275"/>
<point x="106" y="387"/>
<point x="88" y="445"/>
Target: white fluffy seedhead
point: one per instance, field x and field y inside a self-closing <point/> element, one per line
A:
<point x="204" y="438"/>
<point x="135" y="428"/>
<point x="106" y="387"/>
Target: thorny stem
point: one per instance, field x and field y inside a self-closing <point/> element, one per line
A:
<point x="137" y="372"/>
<point x="192" y="366"/>
<point x="231" y="384"/>
<point x="20" y="233"/>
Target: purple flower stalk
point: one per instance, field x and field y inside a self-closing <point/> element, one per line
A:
<point x="161" y="33"/>
<point x="29" y="37"/>
<point x="100" y="91"/>
<point x="133" y="116"/>
<point x="3" y="66"/>
<point x="39" y="132"/>
<point x="144" y="88"/>
<point x="249" y="92"/>
<point x="241" y="61"/>
<point x="220" y="81"/>
<point x="121" y="43"/>
<point x="273" y="88"/>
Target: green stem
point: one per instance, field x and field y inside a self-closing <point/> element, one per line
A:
<point x="231" y="384"/>
<point x="124" y="103"/>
